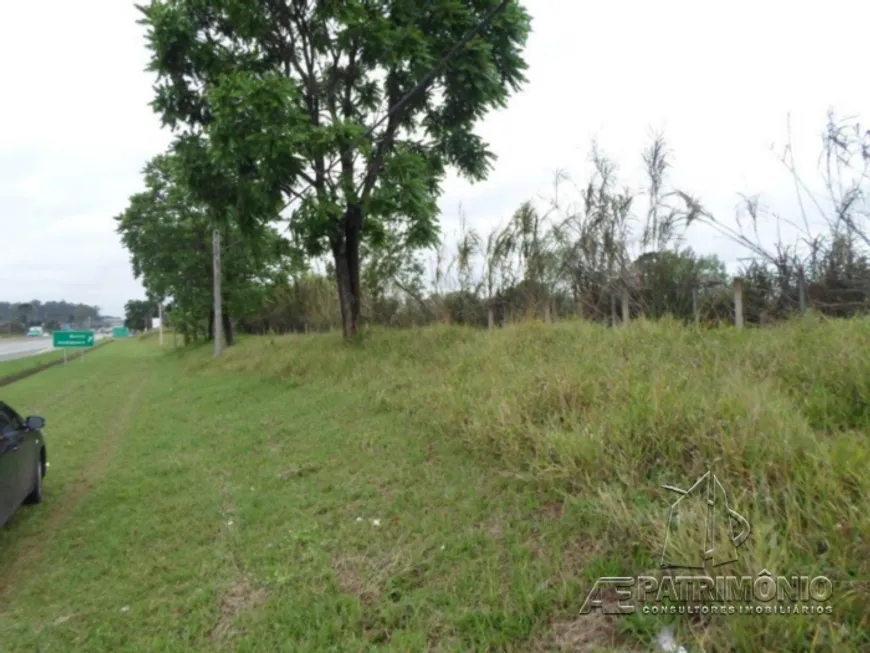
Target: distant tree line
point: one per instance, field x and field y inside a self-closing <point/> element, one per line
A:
<point x="18" y="317"/>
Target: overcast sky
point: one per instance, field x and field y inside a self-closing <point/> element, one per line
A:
<point x="719" y="79"/>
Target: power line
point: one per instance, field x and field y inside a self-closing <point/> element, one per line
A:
<point x="427" y="79"/>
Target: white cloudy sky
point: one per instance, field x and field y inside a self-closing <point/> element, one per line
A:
<point x="720" y="79"/>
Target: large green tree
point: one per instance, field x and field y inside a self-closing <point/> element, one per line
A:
<point x="168" y="233"/>
<point x="283" y="101"/>
<point x="138" y="313"/>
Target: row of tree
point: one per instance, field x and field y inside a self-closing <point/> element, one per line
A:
<point x="311" y="141"/>
<point x="18" y="317"/>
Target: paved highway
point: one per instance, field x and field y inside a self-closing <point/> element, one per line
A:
<point x="15" y="348"/>
<point x="25" y="347"/>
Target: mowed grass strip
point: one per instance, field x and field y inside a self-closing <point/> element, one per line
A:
<point x="440" y="489"/>
<point x="80" y="405"/>
<point x="16" y="367"/>
<point x="241" y="514"/>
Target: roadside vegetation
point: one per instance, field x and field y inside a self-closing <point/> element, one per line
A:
<point x="443" y="489"/>
<point x="316" y="164"/>
<point x="550" y="259"/>
<point x="400" y="477"/>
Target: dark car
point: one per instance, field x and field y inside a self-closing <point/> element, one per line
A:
<point x="22" y="461"/>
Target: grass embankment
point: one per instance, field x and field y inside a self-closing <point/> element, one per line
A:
<point x="18" y="368"/>
<point x="438" y="489"/>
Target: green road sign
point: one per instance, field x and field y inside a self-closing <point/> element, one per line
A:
<point x="120" y="332"/>
<point x="73" y="339"/>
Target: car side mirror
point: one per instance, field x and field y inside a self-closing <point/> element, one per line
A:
<point x="34" y="422"/>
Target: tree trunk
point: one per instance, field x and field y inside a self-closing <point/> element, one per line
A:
<point x="228" y="327"/>
<point x="217" y="295"/>
<point x="345" y="294"/>
<point x="345" y="251"/>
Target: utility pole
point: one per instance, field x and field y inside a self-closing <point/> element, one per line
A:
<point x="216" y="291"/>
<point x="160" y="317"/>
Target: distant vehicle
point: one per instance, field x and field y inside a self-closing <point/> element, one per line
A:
<point x="23" y="461"/>
<point x="35" y="332"/>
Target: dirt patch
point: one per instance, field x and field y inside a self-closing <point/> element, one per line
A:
<point x="30" y="549"/>
<point x="584" y="634"/>
<point x="553" y="510"/>
<point x="23" y="374"/>
<point x="240" y="597"/>
<point x="355" y="578"/>
<point x="581" y="633"/>
<point x="578" y="552"/>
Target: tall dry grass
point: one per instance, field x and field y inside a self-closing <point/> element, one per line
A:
<point x="606" y="416"/>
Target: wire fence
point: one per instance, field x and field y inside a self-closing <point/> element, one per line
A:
<point x="741" y="302"/>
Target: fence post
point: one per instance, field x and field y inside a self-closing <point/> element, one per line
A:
<point x="737" y="285"/>
<point x="612" y="308"/>
<point x="490" y="319"/>
<point x="547" y="312"/>
<point x="696" y="309"/>
<point x="625" y="306"/>
<point x="802" y="291"/>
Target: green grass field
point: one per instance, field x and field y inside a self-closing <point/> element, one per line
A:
<point x="434" y="490"/>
